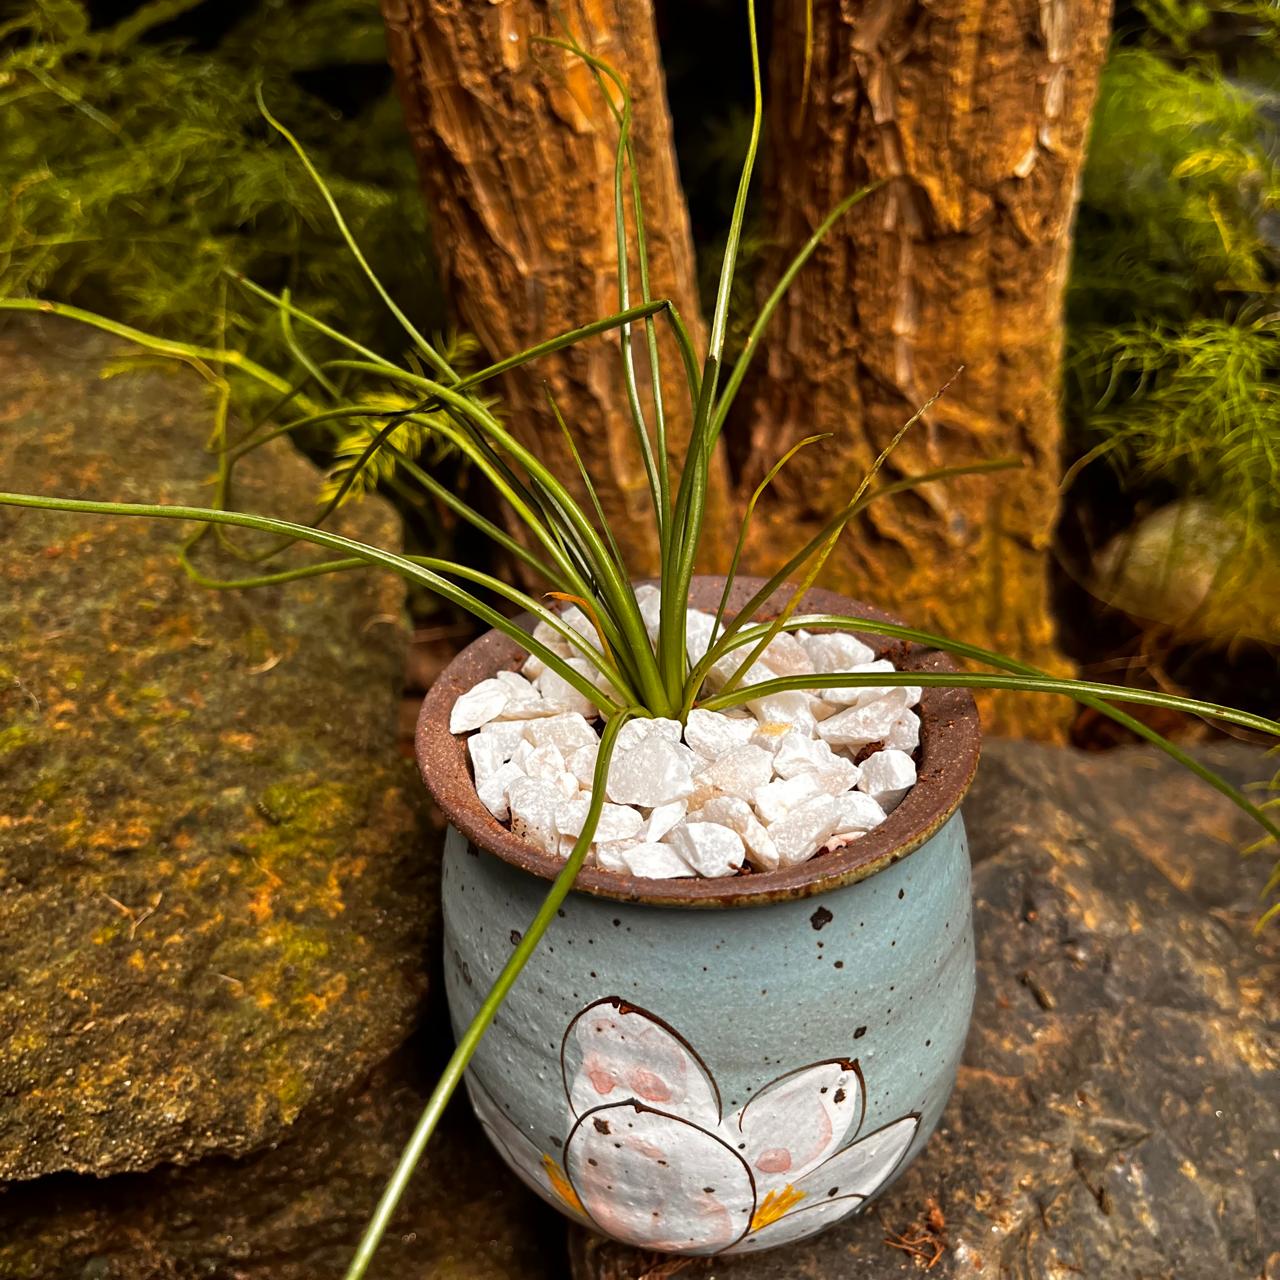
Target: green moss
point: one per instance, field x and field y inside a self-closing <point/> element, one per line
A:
<point x="306" y="810"/>
<point x="16" y="736"/>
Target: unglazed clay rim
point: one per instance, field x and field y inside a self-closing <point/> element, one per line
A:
<point x="950" y="742"/>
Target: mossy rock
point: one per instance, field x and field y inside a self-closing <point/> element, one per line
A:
<point x="1117" y="1113"/>
<point x="296" y="1211"/>
<point x="216" y="871"/>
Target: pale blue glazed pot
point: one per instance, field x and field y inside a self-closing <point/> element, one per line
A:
<point x="709" y="1067"/>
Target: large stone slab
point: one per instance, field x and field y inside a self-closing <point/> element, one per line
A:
<point x="296" y="1210"/>
<point x="1118" y="1110"/>
<point x="215" y="888"/>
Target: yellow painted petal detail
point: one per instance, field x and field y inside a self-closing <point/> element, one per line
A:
<point x="560" y="1184"/>
<point x="774" y="1205"/>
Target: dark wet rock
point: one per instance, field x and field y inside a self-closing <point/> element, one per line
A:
<point x="215" y="879"/>
<point x="295" y="1211"/>
<point x="1118" y="1111"/>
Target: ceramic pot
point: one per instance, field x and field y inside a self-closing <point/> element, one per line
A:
<point x="716" y="1066"/>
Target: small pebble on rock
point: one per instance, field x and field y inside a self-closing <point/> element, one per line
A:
<point x="737" y="815"/>
<point x="860" y="695"/>
<point x="559" y="695"/>
<point x="525" y="702"/>
<point x="856" y="814"/>
<point x="663" y="818"/>
<point x="568" y="731"/>
<point x="836" y="651"/>
<point x="493" y="790"/>
<point x="904" y="733"/>
<point x="505" y="735"/>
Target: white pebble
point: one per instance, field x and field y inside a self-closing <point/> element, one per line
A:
<point x="569" y="731"/>
<point x="858" y="726"/>
<point x="649" y="600"/>
<point x="532" y="667"/>
<point x="904" y="733"/>
<point x="799" y="753"/>
<point x="650" y="774"/>
<point x="713" y="733"/>
<point x="887" y="776"/>
<point x="786" y="656"/>
<point x="559" y="695"/>
<point x="794" y="707"/>
<point x="547" y="764"/>
<point x="550" y="638"/>
<point x="770" y="735"/>
<point x="663" y="818"/>
<point x="636" y="731"/>
<point x="798" y="835"/>
<point x="480" y="704"/>
<point x="859" y="696"/>
<point x="738" y="773"/>
<point x="617" y="821"/>
<point x="486" y="757"/>
<point x="836" y="651"/>
<point x="493" y="790"/>
<point x="593" y="676"/>
<point x="737" y="815"/>
<point x="533" y="803"/>
<point x="710" y="849"/>
<point x="697" y="633"/>
<point x="775" y="800"/>
<point x="856" y="814"/>
<point x="505" y="735"/>
<point x="582" y="764"/>
<point x="525" y="702"/>
<point x="648" y="859"/>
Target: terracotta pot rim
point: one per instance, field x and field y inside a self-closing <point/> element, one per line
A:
<point x="950" y="743"/>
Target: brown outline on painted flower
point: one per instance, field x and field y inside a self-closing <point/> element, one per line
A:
<point x="651" y="1160"/>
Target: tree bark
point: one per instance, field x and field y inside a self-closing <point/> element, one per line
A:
<point x="973" y="112"/>
<point x="515" y="143"/>
<point x="974" y="115"/>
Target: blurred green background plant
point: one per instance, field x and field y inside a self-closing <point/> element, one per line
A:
<point x="140" y="178"/>
<point x="138" y="171"/>
<point x="1174" y="333"/>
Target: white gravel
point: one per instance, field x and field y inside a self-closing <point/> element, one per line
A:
<point x="765" y="785"/>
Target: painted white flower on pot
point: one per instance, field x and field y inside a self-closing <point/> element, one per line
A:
<point x="649" y="1157"/>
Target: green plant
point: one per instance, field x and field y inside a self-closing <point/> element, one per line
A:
<point x="137" y="173"/>
<point x="1173" y="342"/>
<point x="625" y="675"/>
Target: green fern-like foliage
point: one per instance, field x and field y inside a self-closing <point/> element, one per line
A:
<point x="360" y="467"/>
<point x="139" y="175"/>
<point x="1174" y="345"/>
